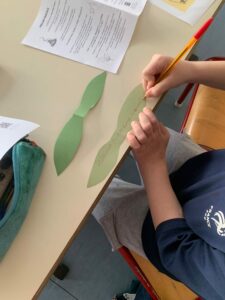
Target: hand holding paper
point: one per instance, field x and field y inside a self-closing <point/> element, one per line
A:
<point x="107" y="156"/>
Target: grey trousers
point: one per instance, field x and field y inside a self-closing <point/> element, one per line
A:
<point x="123" y="207"/>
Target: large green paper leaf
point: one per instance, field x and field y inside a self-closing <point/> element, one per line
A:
<point x="70" y="137"/>
<point x="107" y="156"/>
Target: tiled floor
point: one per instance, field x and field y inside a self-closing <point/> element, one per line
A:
<point x="96" y="273"/>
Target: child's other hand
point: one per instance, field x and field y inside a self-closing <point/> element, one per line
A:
<point x="148" y="138"/>
<point x="180" y="74"/>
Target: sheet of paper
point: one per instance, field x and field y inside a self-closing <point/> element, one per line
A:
<point x="131" y="6"/>
<point x="189" y="11"/>
<point x="11" y="131"/>
<point x="83" y="30"/>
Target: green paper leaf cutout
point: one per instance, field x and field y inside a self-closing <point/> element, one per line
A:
<point x="108" y="154"/>
<point x="67" y="143"/>
<point x="70" y="137"/>
<point x="91" y="95"/>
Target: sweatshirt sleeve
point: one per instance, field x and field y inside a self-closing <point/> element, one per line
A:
<point x="191" y="260"/>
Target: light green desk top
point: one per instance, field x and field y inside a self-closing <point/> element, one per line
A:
<point x="44" y="88"/>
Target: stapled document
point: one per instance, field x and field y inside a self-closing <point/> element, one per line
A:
<point x="92" y="32"/>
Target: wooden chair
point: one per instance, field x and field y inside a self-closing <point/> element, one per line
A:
<point x="205" y="123"/>
<point x="158" y="285"/>
<point x="205" y="118"/>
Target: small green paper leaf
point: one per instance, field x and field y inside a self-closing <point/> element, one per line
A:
<point x="70" y="137"/>
<point x="108" y="154"/>
<point x="92" y="94"/>
<point x="67" y="143"/>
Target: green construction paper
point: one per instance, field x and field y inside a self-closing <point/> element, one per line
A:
<point x="92" y="94"/>
<point x="70" y="137"/>
<point x="67" y="143"/>
<point x="107" y="156"/>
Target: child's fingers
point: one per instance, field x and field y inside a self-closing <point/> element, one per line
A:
<point x="150" y="84"/>
<point x="148" y="79"/>
<point x="138" y="132"/>
<point x="156" y="66"/>
<point x="163" y="129"/>
<point x="147" y="84"/>
<point x="153" y="68"/>
<point x="149" y="113"/>
<point x="133" y="142"/>
<point x="145" y="123"/>
<point x="144" y="83"/>
<point x="152" y="118"/>
<point x="160" y="88"/>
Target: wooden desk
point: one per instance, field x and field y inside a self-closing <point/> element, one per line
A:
<point x="44" y="88"/>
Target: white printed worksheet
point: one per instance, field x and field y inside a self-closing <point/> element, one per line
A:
<point x="92" y="32"/>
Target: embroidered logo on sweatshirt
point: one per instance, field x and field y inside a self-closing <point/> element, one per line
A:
<point x="208" y="215"/>
<point x="219" y="221"/>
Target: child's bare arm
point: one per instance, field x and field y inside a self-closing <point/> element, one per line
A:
<point x="211" y="73"/>
<point x="148" y="140"/>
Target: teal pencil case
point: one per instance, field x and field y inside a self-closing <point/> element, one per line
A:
<point x="27" y="161"/>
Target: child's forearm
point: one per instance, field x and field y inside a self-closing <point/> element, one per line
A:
<point x="211" y="73"/>
<point x="163" y="202"/>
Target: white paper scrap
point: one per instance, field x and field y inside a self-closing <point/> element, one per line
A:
<point x="11" y="131"/>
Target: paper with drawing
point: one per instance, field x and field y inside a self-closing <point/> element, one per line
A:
<point x="93" y="32"/>
<point x="189" y="11"/>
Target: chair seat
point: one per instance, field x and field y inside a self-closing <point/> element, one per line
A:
<point x="206" y="120"/>
<point x="165" y="287"/>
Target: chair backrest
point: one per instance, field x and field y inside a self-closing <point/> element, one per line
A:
<point x="205" y="119"/>
<point x="205" y="122"/>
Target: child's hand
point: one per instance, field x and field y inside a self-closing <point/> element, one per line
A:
<point x="148" y="139"/>
<point x="180" y="74"/>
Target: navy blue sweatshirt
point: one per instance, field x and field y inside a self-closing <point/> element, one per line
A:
<point x="192" y="250"/>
